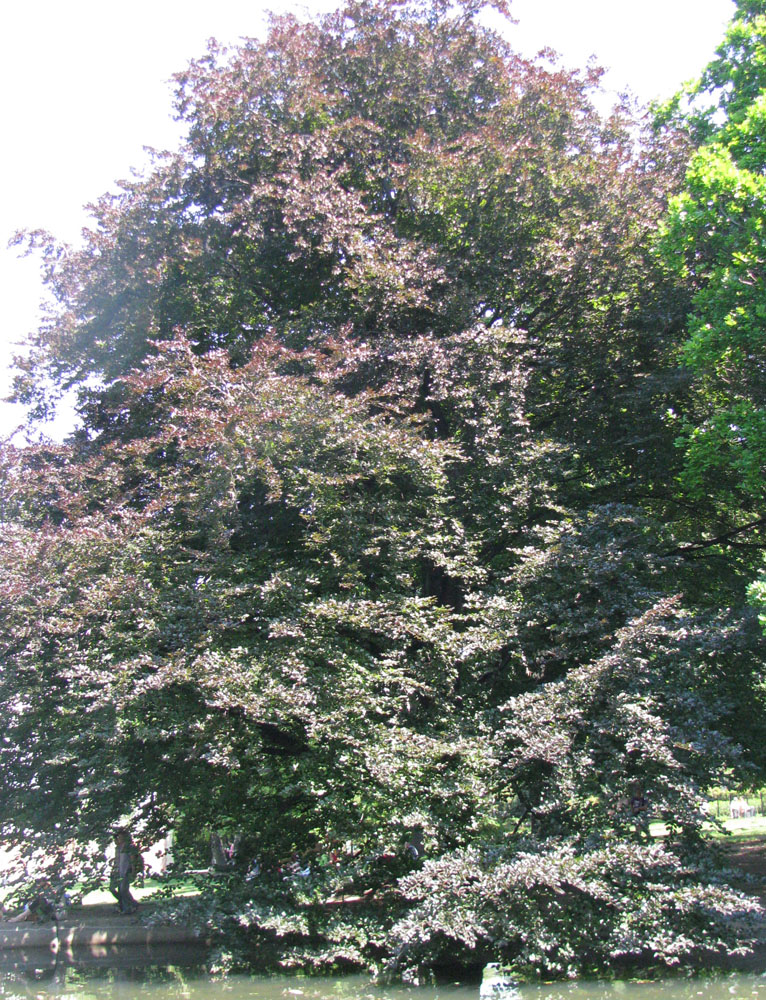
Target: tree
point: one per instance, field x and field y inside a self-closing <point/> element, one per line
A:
<point x="714" y="238"/>
<point x="360" y="499"/>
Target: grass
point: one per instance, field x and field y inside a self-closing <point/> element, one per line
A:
<point x="737" y="829"/>
<point x="100" y="897"/>
<point x="741" y="829"/>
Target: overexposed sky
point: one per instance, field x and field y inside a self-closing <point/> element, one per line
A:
<point x="85" y="87"/>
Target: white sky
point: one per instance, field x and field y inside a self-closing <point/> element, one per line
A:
<point x="85" y="88"/>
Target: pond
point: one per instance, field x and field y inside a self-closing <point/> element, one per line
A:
<point x="126" y="976"/>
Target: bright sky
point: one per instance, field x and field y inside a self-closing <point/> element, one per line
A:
<point x="85" y="85"/>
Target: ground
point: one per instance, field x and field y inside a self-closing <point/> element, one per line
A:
<point x="749" y="855"/>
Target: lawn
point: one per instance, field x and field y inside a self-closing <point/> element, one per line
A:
<point x="100" y="897"/>
<point x="738" y="829"/>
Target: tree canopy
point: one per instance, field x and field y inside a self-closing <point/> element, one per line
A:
<point x="714" y="238"/>
<point x="376" y="526"/>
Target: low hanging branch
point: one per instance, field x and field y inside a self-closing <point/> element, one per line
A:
<point x="722" y="539"/>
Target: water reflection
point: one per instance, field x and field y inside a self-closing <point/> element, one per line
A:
<point x="43" y="977"/>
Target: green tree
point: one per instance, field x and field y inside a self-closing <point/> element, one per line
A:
<point x="714" y="237"/>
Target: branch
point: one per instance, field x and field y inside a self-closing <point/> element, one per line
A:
<point x="527" y="811"/>
<point x="720" y="539"/>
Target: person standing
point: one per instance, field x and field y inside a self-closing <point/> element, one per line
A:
<point x="123" y="871"/>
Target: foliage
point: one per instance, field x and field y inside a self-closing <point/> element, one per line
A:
<point x="199" y="647"/>
<point x="375" y="528"/>
<point x="559" y="907"/>
<point x="584" y="887"/>
<point x="714" y="238"/>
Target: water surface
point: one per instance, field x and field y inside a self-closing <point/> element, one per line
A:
<point x="41" y="977"/>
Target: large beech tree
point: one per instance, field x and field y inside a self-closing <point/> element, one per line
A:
<point x="373" y="521"/>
